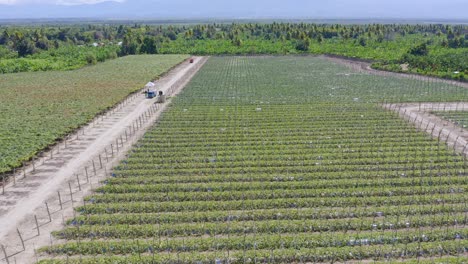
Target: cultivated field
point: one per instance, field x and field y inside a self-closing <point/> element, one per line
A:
<point x="459" y="118"/>
<point x="39" y="108"/>
<point x="280" y="160"/>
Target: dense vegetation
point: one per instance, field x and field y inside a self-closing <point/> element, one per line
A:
<point x="280" y="160"/>
<point x="67" y="57"/>
<point x="440" y="50"/>
<point x="38" y="108"/>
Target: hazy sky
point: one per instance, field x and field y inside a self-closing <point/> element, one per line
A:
<point x="426" y="9"/>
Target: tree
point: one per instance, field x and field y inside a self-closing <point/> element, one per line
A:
<point x="319" y="38"/>
<point x="303" y="45"/>
<point x="237" y="42"/>
<point x="36" y="35"/>
<point x="63" y="35"/>
<point x="42" y="43"/>
<point x="149" y="46"/>
<point x="171" y="35"/>
<point x="444" y="43"/>
<point x="130" y="45"/>
<point x="420" y="50"/>
<point x="25" y="47"/>
<point x="458" y="42"/>
<point x="98" y="35"/>
<point x="91" y="58"/>
<point x="5" y="37"/>
<point x="362" y="41"/>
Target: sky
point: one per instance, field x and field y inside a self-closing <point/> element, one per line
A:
<point x="235" y="9"/>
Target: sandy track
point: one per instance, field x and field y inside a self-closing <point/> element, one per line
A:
<point x="363" y="66"/>
<point x="443" y="130"/>
<point x="59" y="181"/>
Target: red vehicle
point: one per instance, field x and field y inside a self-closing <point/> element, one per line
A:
<point x="191" y="60"/>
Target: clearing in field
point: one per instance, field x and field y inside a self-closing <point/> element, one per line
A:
<point x="39" y="108"/>
<point x="280" y="160"/>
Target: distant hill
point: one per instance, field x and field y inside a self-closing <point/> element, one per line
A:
<point x="176" y="9"/>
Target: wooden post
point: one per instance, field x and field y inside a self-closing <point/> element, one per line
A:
<point x="86" y="172"/>
<point x="71" y="193"/>
<point x="94" y="168"/>
<point x="6" y="256"/>
<point x="37" y="226"/>
<point x="21" y="238"/>
<point x="60" y="200"/>
<point x="440" y="133"/>
<point x="107" y="158"/>
<point x="455" y="143"/>
<point x="448" y="136"/>
<point x="24" y="170"/>
<point x="48" y="212"/>
<point x="87" y="178"/>
<point x="433" y="128"/>
<point x="51" y="240"/>
<point x="463" y="151"/>
<point x="78" y="181"/>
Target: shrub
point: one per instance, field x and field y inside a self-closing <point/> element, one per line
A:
<point x="91" y="58"/>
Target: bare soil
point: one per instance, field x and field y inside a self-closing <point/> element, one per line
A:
<point x="365" y="66"/>
<point x="42" y="199"/>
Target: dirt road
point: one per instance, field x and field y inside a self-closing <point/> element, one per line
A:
<point x="445" y="131"/>
<point x="419" y="113"/>
<point x="363" y="66"/>
<point x="40" y="202"/>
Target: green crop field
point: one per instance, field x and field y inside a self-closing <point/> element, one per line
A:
<point x="280" y="160"/>
<point x="40" y="107"/>
<point x="459" y="118"/>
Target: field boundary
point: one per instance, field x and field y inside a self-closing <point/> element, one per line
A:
<point x="76" y="177"/>
<point x="98" y="117"/>
<point x="361" y="65"/>
<point x="420" y="114"/>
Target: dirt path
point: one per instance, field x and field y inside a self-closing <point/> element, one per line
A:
<point x="420" y="113"/>
<point x="363" y="66"/>
<point x="443" y="130"/>
<point x="40" y="200"/>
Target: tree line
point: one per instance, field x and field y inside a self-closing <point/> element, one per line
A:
<point x="397" y="43"/>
